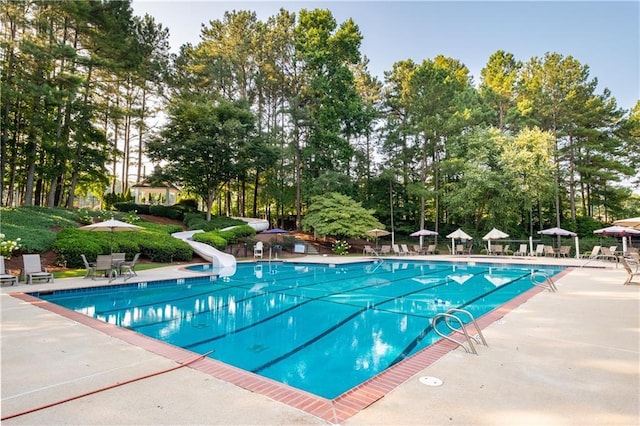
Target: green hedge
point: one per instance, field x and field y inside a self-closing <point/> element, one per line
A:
<point x="237" y="233"/>
<point x="171" y="212"/>
<point x="153" y="245"/>
<point x="131" y="207"/>
<point x="212" y="238"/>
<point x="195" y="221"/>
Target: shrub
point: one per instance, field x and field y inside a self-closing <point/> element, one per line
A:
<point x="164" y="229"/>
<point x="234" y="234"/>
<point x="212" y="238"/>
<point x="191" y="217"/>
<point x="188" y="204"/>
<point x="7" y="247"/>
<point x="166" y="211"/>
<point x="71" y="243"/>
<point x="85" y="217"/>
<point x="110" y="199"/>
<point x="196" y="221"/>
<point x="153" y="245"/>
<point x="168" y="250"/>
<point x="341" y="247"/>
<point x="36" y="226"/>
<point x="126" y="207"/>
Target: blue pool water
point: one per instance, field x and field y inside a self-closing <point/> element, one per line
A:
<point x="320" y="328"/>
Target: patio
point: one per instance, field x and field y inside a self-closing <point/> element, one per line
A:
<point x="558" y="359"/>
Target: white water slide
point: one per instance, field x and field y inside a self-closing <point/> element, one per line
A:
<point x="223" y="263"/>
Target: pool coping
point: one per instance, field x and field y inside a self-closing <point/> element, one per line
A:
<point x="335" y="410"/>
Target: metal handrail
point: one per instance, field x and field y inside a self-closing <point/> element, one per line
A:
<point x="461" y="329"/>
<point x="546" y="282"/>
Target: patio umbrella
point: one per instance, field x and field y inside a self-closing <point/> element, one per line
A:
<point x="458" y="234"/>
<point x="377" y="233"/>
<point x="276" y="231"/>
<point x="559" y="232"/>
<point x="423" y="233"/>
<point x="633" y="222"/>
<point x="112" y="226"/>
<point x="494" y="234"/>
<point x="619" y="232"/>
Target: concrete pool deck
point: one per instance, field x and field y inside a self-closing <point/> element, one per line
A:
<point x="565" y="358"/>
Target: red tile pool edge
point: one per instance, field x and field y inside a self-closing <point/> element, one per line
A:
<point x="333" y="411"/>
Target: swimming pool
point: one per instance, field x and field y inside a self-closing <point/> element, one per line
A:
<point x="318" y="327"/>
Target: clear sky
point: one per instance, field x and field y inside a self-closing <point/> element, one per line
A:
<point x="604" y="35"/>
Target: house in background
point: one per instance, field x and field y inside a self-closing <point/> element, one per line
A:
<point x="155" y="192"/>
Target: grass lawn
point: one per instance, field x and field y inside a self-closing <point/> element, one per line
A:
<point x="73" y="273"/>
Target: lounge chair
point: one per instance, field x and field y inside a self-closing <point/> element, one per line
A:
<point x="32" y="269"/>
<point x="385" y="249"/>
<point x="4" y="277"/>
<point x="258" y="250"/>
<point x="417" y="249"/>
<point x="104" y="264"/>
<point x="549" y="251"/>
<point x="368" y="250"/>
<point x="505" y="250"/>
<point x="89" y="266"/>
<point x="496" y="249"/>
<point x="631" y="267"/>
<point x="431" y="249"/>
<point x="129" y="267"/>
<point x="607" y="254"/>
<point x="565" y="251"/>
<point x="405" y="250"/>
<point x="593" y="254"/>
<point x="522" y="251"/>
<point x="460" y="249"/>
<point x="396" y="250"/>
<point x="539" y="250"/>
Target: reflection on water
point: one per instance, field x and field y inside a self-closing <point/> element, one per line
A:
<point x="322" y="328"/>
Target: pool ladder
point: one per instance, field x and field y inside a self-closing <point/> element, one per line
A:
<point x="541" y="279"/>
<point x="448" y="318"/>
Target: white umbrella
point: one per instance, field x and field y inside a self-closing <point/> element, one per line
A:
<point x="112" y="226"/>
<point x="557" y="232"/>
<point x="458" y="234"/>
<point x="494" y="234"/>
<point x="633" y="222"/>
<point x="423" y="233"/>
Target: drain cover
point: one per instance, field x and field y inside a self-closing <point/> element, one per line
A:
<point x="430" y="381"/>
